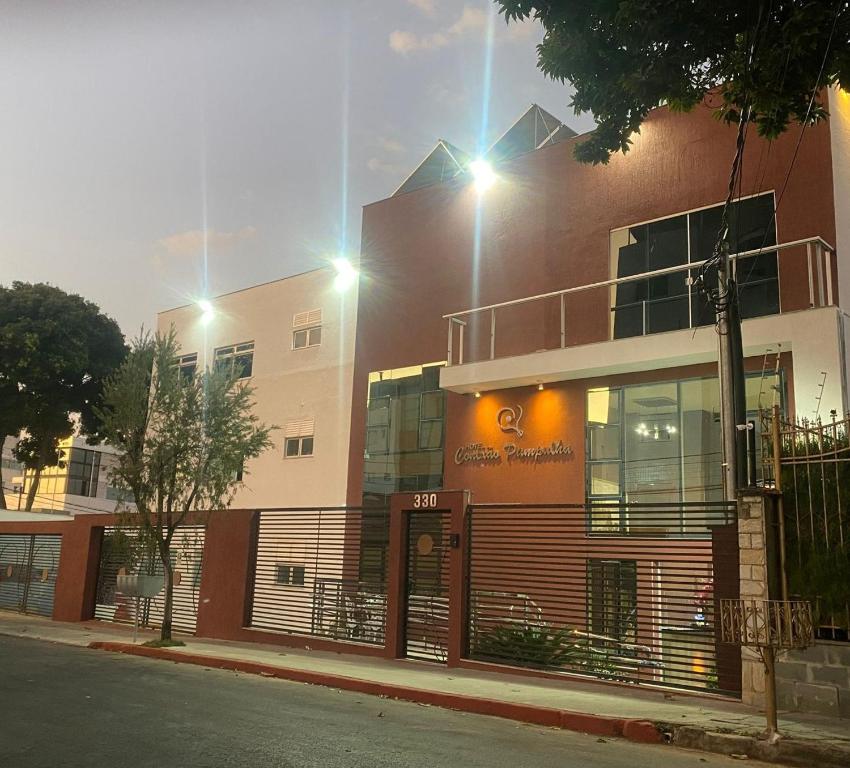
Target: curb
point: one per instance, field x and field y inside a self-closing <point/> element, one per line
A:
<point x="641" y="731"/>
<point x="798" y="753"/>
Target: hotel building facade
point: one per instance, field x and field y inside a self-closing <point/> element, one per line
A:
<point x="508" y="344"/>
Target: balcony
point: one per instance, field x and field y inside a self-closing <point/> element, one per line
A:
<point x="640" y="322"/>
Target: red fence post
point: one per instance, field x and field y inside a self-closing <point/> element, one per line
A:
<point x="227" y="573"/>
<point x="79" y="560"/>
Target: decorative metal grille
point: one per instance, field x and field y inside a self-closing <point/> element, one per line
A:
<point x="778" y="624"/>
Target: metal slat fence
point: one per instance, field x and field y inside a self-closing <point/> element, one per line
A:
<point x="120" y="554"/>
<point x="28" y="568"/>
<point x="322" y="572"/>
<point x="616" y="592"/>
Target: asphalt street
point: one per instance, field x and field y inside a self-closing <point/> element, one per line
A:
<point x="63" y="707"/>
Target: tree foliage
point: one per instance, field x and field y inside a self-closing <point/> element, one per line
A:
<point x="56" y="350"/>
<point x="626" y="57"/>
<point x="181" y="440"/>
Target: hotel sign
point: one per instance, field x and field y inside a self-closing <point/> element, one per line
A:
<point x="508" y="420"/>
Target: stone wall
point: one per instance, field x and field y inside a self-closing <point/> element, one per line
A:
<point x="753" y="576"/>
<point x="815" y="680"/>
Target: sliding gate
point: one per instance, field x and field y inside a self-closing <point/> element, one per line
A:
<point x="625" y="593"/>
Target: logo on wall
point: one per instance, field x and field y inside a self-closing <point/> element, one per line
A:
<point x="508" y="420"/>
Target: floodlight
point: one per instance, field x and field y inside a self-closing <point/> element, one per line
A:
<point x="346" y="275"/>
<point x="207" y="311"/>
<point x="482" y="174"/>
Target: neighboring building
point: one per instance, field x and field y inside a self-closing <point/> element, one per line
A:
<point x="294" y="340"/>
<point x="79" y="484"/>
<point x="627" y="371"/>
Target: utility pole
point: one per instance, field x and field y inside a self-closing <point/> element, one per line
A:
<point x="731" y="374"/>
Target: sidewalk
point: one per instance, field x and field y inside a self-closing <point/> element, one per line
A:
<point x="636" y="713"/>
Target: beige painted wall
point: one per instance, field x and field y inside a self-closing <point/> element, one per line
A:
<point x="290" y="384"/>
<point x="839" y="135"/>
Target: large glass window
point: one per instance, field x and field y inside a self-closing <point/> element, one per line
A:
<point x="83" y="472"/>
<point x="669" y="302"/>
<point x="405" y="425"/>
<point x="661" y="442"/>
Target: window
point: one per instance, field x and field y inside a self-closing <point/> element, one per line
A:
<point x="669" y="302"/>
<point x="431" y="420"/>
<point x="187" y="365"/>
<point x="612" y="602"/>
<point x="289" y="575"/>
<point x="405" y="432"/>
<point x="660" y="443"/>
<point x="298" y="438"/>
<point x="307" y="329"/>
<point x="236" y="360"/>
<point x="83" y="472"/>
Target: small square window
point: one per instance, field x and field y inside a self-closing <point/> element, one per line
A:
<point x="298" y="446"/>
<point x="307" y="337"/>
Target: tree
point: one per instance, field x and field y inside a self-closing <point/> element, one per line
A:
<point x="56" y="350"/>
<point x="182" y="441"/>
<point x="11" y="414"/>
<point x="626" y="57"/>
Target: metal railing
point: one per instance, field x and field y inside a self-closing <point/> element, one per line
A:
<point x="819" y="257"/>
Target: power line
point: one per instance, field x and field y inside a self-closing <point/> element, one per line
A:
<point x="805" y="123"/>
<point x="68" y="504"/>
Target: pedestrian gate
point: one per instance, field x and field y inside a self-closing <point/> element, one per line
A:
<point x="28" y="568"/>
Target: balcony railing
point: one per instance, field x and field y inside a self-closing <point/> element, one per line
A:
<point x="819" y="256"/>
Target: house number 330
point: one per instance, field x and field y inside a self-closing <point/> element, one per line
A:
<point x="424" y="500"/>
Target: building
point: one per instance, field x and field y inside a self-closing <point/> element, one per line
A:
<point x="293" y="339"/>
<point x="534" y="336"/>
<point x="507" y="342"/>
<point x="78" y="484"/>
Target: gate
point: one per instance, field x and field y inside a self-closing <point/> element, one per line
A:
<point x="28" y="568"/>
<point x="120" y="554"/>
<point x="427" y="585"/>
<point x="808" y="463"/>
<point x="618" y="592"/>
<point x="321" y="571"/>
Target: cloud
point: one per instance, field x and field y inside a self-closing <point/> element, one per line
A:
<point x="377" y="165"/>
<point x="193" y="241"/>
<point x="428" y="7"/>
<point x="390" y="145"/>
<point x="448" y="95"/>
<point x="407" y="42"/>
<point x="472" y="21"/>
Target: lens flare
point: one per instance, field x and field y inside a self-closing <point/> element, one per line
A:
<point x="207" y="311"/>
<point x="346" y="275"/>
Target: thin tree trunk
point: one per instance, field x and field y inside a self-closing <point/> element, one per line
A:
<point x="2" y="487"/>
<point x="33" y="488"/>
<point x="168" y="571"/>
